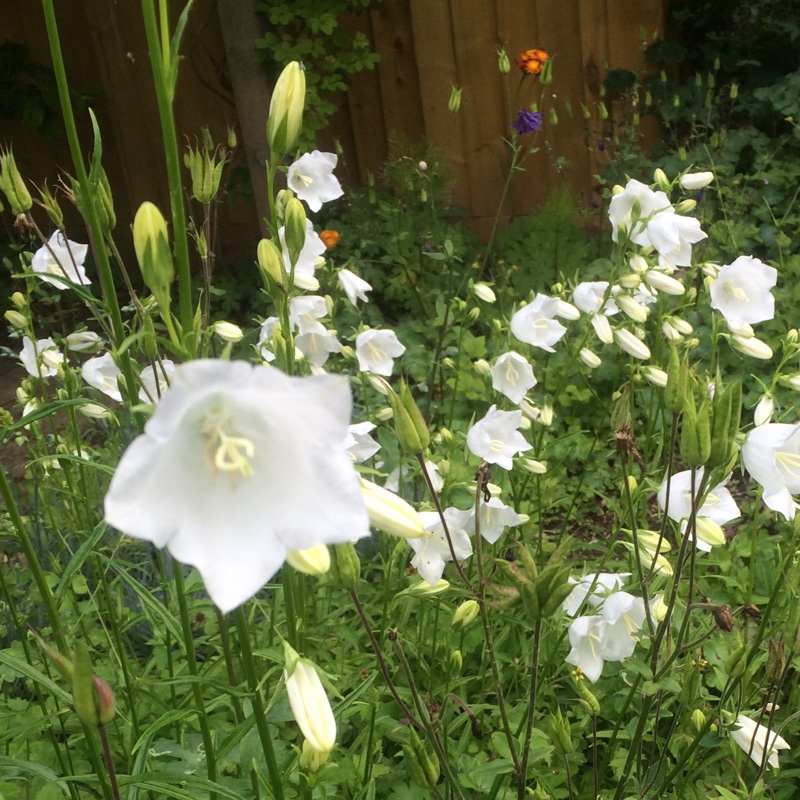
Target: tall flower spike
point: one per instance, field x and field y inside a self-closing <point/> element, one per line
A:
<point x="238" y="465"/>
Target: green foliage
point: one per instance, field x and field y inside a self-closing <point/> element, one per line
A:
<point x="311" y="31"/>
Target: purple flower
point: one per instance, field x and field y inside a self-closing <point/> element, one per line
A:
<point x="527" y="121"/>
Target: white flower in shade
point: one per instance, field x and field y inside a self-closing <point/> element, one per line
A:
<point x="496" y="437"/>
<point x="102" y="373"/>
<point x="718" y="508"/>
<point x="590" y="297"/>
<point x="692" y="181"/>
<point x="495" y="517"/>
<point x="432" y="550"/>
<point x="673" y="235"/>
<point x="755" y="739"/>
<point x="741" y="292"/>
<point x="237" y="465"/>
<point x="60" y="262"/>
<point x="311" y="178"/>
<point x="585" y="636"/>
<point x="33" y="357"/>
<point x="155" y="380"/>
<point x="771" y="454"/>
<point x="305" y="313"/>
<point x="631" y="209"/>
<point x="376" y="351"/>
<point x="309" y="259"/>
<point x="631" y="344"/>
<point x="310" y="705"/>
<point x="645" y="295"/>
<point x="354" y="287"/>
<point x="593" y="589"/>
<point x="265" y="332"/>
<point x="534" y="324"/>
<point x="359" y="444"/>
<point x="624" y="615"/>
<point x="316" y="346"/>
<point x="513" y="376"/>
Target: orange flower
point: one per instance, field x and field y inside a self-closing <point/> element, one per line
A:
<point x="532" y="61"/>
<point x="330" y="238"/>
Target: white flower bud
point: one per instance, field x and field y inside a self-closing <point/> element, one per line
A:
<point x="314" y="560"/>
<point x="631" y="344"/>
<point x="671" y="333"/>
<point x="632" y="308"/>
<point x="228" y="332"/>
<point x="310" y="705"/>
<point x="685" y="206"/>
<point x="764" y="409"/>
<point x="484" y="292"/>
<point x="602" y="327"/>
<point x="692" y="181"/>
<point x="751" y="346"/>
<point x="533" y="466"/>
<point x="84" y="342"/>
<point x="482" y="366"/>
<point x="567" y="310"/>
<point x="682" y="326"/>
<point x="391" y="513"/>
<point x="663" y="283"/>
<point x="592" y="360"/>
<point x="655" y="376"/>
<point x="630" y="281"/>
<point x="639" y="264"/>
<point x="384" y="414"/>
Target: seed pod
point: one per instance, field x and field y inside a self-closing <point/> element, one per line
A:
<point x="345" y="565"/>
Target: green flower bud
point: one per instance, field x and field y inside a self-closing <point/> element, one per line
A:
<point x="82" y="686"/>
<point x="16" y="319"/>
<point x="454" y="104"/>
<point x="286" y="109"/>
<point x="466" y="613"/>
<point x="295" y="233"/>
<point x="415" y="415"/>
<point x="345" y="565"/>
<point x="51" y="206"/>
<point x="153" y="253"/>
<point x="206" y="173"/>
<point x="456" y="662"/>
<point x="105" y="203"/>
<point x="698" y="720"/>
<point x="12" y="184"/>
<point x="561" y="738"/>
<point x="270" y="261"/>
<point x="503" y="62"/>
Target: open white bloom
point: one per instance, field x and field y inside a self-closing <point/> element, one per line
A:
<point x="495" y="517"/>
<point x="432" y="550"/>
<point x="631" y="209"/>
<point x="718" y="508"/>
<point x="316" y="346"/>
<point x="513" y="376"/>
<point x="496" y="437"/>
<point x="63" y="259"/>
<point x="305" y="313"/>
<point x="589" y="297"/>
<point x="308" y="260"/>
<point x="237" y="465"/>
<point x="741" y="292"/>
<point x="771" y="454"/>
<point x="354" y="287"/>
<point x="32" y="357"/>
<point x="310" y="705"/>
<point x="534" y="323"/>
<point x="376" y="351"/>
<point x="624" y="615"/>
<point x="155" y="380"/>
<point x="755" y="739"/>
<point x="359" y="444"/>
<point x="311" y="178"/>
<point x="265" y="332"/>
<point x="592" y="588"/>
<point x="585" y="636"/>
<point x="102" y="373"/>
<point x="673" y="235"/>
<point x="692" y="181"/>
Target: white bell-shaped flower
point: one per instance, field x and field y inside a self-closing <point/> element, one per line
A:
<point x="311" y="178"/>
<point x="60" y="262"/>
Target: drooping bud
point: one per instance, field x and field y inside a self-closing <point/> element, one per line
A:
<point x="153" y="252"/>
<point x="15" y="319"/>
<point x="390" y="513"/>
<point x="425" y="589"/>
<point x="466" y="613"/>
<point x="314" y="560"/>
<point x="286" y="110"/>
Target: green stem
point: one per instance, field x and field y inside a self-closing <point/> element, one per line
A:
<point x="191" y="661"/>
<point x="251" y="675"/>
<point x="537" y="637"/>
<point x="171" y="154"/>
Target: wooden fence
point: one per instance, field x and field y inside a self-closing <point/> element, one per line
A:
<point x="425" y="47"/>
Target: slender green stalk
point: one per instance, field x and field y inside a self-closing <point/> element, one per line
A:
<point x="251" y="674"/>
<point x="158" y="48"/>
<point x="191" y="662"/>
<point x="531" y="712"/>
